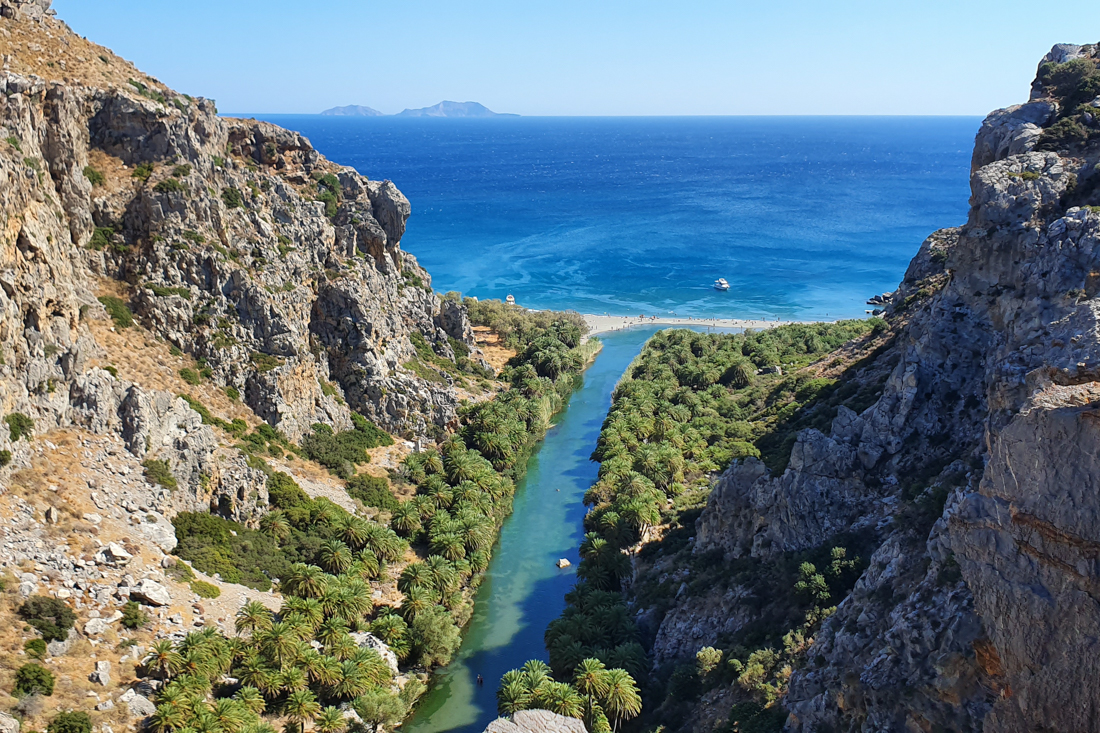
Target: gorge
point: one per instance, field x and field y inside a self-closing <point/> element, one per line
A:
<point x="257" y="472"/>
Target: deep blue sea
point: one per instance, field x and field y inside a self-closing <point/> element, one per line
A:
<point x="805" y="216"/>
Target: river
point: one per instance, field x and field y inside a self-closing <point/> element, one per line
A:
<point x="523" y="590"/>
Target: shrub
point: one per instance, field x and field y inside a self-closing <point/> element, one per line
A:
<point x="372" y="491"/>
<point x="132" y="615"/>
<point x="181" y="171"/>
<point x="5" y="458"/>
<point x="102" y="238"/>
<point x="339" y="452"/>
<point x="193" y="236"/>
<point x="232" y="393"/>
<point x="163" y="291"/>
<point x="94" y="177"/>
<point x="159" y="472"/>
<point x="143" y="171"/>
<point x="35" y="648"/>
<point x="14" y="142"/>
<point x="169" y="185"/>
<point x="19" y="426"/>
<point x="119" y="312"/>
<point x="265" y="362"/>
<point x="232" y="197"/>
<point x="190" y="376"/>
<point x="205" y="590"/>
<point x="31" y="678"/>
<point x="248" y="557"/>
<point x="70" y="722"/>
<point x="50" y="616"/>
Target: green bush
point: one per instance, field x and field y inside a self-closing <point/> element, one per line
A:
<point x="372" y="491"/>
<point x="159" y="472"/>
<point x="132" y="615"/>
<point x="19" y="426"/>
<point x="50" y="616"/>
<point x="232" y="393"/>
<point x="35" y="648"/>
<point x="249" y="557"/>
<point x="170" y="185"/>
<point x="340" y="452"/>
<point x="103" y="238"/>
<point x="192" y="236"/>
<point x="5" y="458"/>
<point x="232" y="198"/>
<point x="143" y="171"/>
<point x="119" y="312"/>
<point x="163" y="291"/>
<point x="32" y="678"/>
<point x="94" y="177"/>
<point x="190" y="376"/>
<point x="181" y="171"/>
<point x="205" y="590"/>
<point x="70" y="722"/>
<point x="265" y="362"/>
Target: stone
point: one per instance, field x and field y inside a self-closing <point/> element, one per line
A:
<point x="536" y="721"/>
<point x="53" y="516"/>
<point x="8" y="723"/>
<point x="93" y="518"/>
<point x="61" y="648"/>
<point x="140" y="706"/>
<point x="96" y="626"/>
<point x="114" y="555"/>
<point x="370" y="641"/>
<point x="563" y="563"/>
<point x="151" y="593"/>
<point x="105" y="705"/>
<point x="102" y="673"/>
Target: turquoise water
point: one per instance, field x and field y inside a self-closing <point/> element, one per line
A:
<point x="805" y="216"/>
<point x="523" y="590"/>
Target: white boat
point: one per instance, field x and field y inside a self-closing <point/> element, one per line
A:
<point x="721" y="284"/>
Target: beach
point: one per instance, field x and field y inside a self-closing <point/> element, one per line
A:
<point x="604" y="324"/>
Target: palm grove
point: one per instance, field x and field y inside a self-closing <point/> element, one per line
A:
<point x="310" y="662"/>
<point x="689" y="405"/>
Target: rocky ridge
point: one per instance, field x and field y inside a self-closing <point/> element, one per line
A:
<point x="973" y="473"/>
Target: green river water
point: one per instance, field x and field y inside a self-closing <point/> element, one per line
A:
<point x="523" y="590"/>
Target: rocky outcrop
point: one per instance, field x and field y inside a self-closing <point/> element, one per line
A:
<point x="973" y="472"/>
<point x="536" y="721"/>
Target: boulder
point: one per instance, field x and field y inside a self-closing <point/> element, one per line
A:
<point x="61" y="648"/>
<point x="96" y="626"/>
<point x="102" y="673"/>
<point x="365" y="640"/>
<point x="151" y="593"/>
<point x="114" y="555"/>
<point x="8" y="724"/>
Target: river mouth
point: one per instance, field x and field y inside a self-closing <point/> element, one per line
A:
<point x="523" y="590"/>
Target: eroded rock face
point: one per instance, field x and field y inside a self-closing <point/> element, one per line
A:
<point x="981" y="616"/>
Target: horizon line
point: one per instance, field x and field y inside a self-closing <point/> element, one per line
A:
<point x="246" y="115"/>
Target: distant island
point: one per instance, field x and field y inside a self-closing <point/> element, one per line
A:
<point x="353" y="110"/>
<point x="443" y="109"/>
<point x="453" y="109"/>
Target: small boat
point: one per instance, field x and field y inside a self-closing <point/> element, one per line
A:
<point x="721" y="284"/>
<point x="510" y="300"/>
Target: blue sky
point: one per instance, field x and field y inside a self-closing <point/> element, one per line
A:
<point x="593" y="57"/>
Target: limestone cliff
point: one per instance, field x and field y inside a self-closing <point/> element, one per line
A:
<point x="233" y="241"/>
<point x="974" y="474"/>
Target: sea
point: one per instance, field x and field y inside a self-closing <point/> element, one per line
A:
<point x="806" y="217"/>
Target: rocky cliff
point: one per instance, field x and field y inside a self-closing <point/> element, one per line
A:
<point x="973" y="475"/>
<point x="232" y="241"/>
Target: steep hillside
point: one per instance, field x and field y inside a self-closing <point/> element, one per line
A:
<point x="968" y="490"/>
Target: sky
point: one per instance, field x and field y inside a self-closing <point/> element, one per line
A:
<point x="593" y="57"/>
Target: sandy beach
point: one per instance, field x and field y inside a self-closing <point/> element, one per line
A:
<point x="603" y="324"/>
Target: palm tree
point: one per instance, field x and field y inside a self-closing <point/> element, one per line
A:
<point x="257" y="675"/>
<point x="536" y="673"/>
<point x="441" y="574"/>
<point x="590" y="679"/>
<point x="275" y="525"/>
<point x="335" y="556"/>
<point x="306" y="611"/>
<point x="417" y="600"/>
<point x="162" y="659"/>
<point x="450" y="545"/>
<point x="621" y="701"/>
<point x="167" y="718"/>
<point x="230" y="715"/>
<point x="415" y="575"/>
<point x="406" y="519"/>
<point x="251" y="698"/>
<point x="253" y="616"/>
<point x="301" y="706"/>
<point x="366" y="566"/>
<point x="293" y="679"/>
<point x="307" y="581"/>
<point x="512" y="695"/>
<point x="352" y="530"/>
<point x="281" y="643"/>
<point x="560" y="698"/>
<point x="331" y="631"/>
<point x="330" y="720"/>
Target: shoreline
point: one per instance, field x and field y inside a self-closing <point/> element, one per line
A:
<point x="605" y="324"/>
